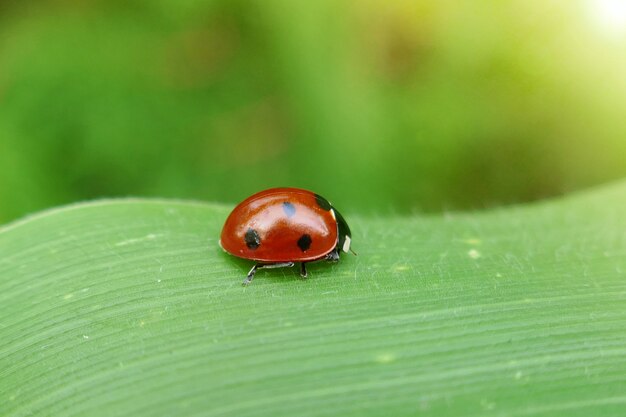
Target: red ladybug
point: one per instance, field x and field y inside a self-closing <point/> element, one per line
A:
<point x="281" y="226"/>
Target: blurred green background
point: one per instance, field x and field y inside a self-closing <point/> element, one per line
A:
<point x="380" y="106"/>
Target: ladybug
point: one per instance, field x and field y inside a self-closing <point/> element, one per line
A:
<point x="281" y="226"/>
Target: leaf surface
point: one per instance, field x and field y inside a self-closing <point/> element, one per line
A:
<point x="129" y="307"/>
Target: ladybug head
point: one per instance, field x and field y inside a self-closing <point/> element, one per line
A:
<point x="344" y="233"/>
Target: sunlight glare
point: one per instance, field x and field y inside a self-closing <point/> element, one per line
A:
<point x="610" y="15"/>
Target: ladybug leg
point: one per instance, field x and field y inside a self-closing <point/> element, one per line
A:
<point x="250" y="276"/>
<point x="303" y="272"/>
<point x="333" y="256"/>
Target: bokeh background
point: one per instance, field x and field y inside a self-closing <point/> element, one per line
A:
<point x="378" y="105"/>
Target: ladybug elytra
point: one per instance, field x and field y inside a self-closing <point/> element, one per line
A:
<point x="281" y="226"/>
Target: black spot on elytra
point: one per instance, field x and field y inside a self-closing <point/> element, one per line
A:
<point x="252" y="238"/>
<point x="289" y="209"/>
<point x="304" y="243"/>
<point x="322" y="202"/>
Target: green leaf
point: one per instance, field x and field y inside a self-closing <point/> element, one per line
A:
<point x="129" y="307"/>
